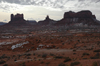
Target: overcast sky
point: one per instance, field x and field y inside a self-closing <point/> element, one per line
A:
<point x="38" y="9"/>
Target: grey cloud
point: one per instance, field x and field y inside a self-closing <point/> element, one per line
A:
<point x="52" y="3"/>
<point x="12" y="1"/>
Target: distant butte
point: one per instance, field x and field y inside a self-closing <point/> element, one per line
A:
<point x="84" y="17"/>
<point x="17" y="19"/>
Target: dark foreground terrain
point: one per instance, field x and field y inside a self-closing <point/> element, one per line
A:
<point x="50" y="46"/>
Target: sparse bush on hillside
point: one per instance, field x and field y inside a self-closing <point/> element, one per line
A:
<point x="63" y="43"/>
<point x="61" y="64"/>
<point x="96" y="56"/>
<point x="97" y="50"/>
<point x="74" y="50"/>
<point x="58" y="57"/>
<point x="3" y="56"/>
<point x="94" y="64"/>
<point x="74" y="63"/>
<point x="5" y="65"/>
<point x="74" y="53"/>
<point x="42" y="62"/>
<point x="33" y="53"/>
<point x="28" y="54"/>
<point x="2" y="62"/>
<point x="23" y="64"/>
<point x="67" y="59"/>
<point x="51" y="54"/>
<point x="28" y="57"/>
<point x="86" y="54"/>
<point x="44" y="55"/>
<point x="48" y="63"/>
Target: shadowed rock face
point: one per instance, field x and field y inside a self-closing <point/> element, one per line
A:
<point x="81" y="14"/>
<point x="17" y="19"/>
<point x="47" y="21"/>
<point x="84" y="17"/>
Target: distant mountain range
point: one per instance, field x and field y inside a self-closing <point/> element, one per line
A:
<point x="2" y="23"/>
<point x="81" y="18"/>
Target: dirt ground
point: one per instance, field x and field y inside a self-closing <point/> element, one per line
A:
<point x="77" y="49"/>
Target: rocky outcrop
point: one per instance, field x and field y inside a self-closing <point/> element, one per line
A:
<point x="81" y="14"/>
<point x="17" y="19"/>
<point x="84" y="17"/>
<point x="47" y="21"/>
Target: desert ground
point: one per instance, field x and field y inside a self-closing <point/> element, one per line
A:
<point x="51" y="48"/>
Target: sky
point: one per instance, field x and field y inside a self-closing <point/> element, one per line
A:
<point x="39" y="9"/>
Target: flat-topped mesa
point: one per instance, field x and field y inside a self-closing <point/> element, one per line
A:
<point x="85" y="14"/>
<point x="17" y="17"/>
<point x="69" y="14"/>
<point x="84" y="17"/>
<point x="81" y="14"/>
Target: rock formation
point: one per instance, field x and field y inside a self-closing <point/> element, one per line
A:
<point x="84" y="17"/>
<point x="47" y="21"/>
<point x="17" y="19"/>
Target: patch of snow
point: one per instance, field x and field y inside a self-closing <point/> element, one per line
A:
<point x="5" y="43"/>
<point x="37" y="48"/>
<point x="19" y="45"/>
<point x="2" y="43"/>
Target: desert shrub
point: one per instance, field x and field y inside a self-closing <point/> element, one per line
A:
<point x="39" y="59"/>
<point x="44" y="55"/>
<point x="74" y="53"/>
<point x="42" y="62"/>
<point x="39" y="55"/>
<point x="28" y="57"/>
<point x="23" y="64"/>
<point x="2" y="62"/>
<point x="86" y="54"/>
<point x="58" y="57"/>
<point x="5" y="65"/>
<point x="67" y="59"/>
<point x="63" y="43"/>
<point x="3" y="56"/>
<point x="48" y="63"/>
<point x="94" y="64"/>
<point x="33" y="53"/>
<point x="98" y="50"/>
<point x="28" y="54"/>
<point x="13" y="56"/>
<point x="89" y="49"/>
<point x="74" y="63"/>
<point x="15" y="60"/>
<point x="74" y="50"/>
<point x="96" y="56"/>
<point x="51" y="54"/>
<point x="61" y="64"/>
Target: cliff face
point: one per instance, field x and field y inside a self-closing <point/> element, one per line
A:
<point x="81" y="14"/>
<point x="84" y="17"/>
<point x="17" y="19"/>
